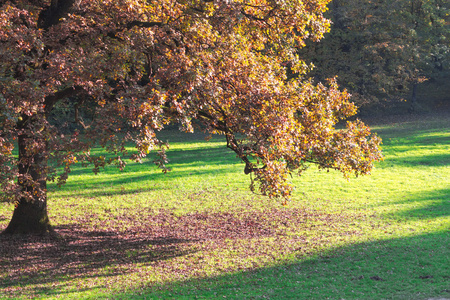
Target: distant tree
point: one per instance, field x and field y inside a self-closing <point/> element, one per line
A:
<point x="381" y="50"/>
<point x="123" y="69"/>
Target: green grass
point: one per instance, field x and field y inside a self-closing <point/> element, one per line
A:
<point x="197" y="232"/>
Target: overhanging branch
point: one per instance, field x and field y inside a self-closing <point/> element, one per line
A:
<point x="142" y="24"/>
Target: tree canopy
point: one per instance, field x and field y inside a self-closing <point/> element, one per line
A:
<point x="125" y="69"/>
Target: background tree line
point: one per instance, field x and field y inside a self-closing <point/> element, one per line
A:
<point x="385" y="52"/>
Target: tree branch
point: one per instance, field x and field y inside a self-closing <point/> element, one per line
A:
<point x="142" y="24"/>
<point x="78" y="118"/>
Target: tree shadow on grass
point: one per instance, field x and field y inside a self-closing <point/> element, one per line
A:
<point x="431" y="204"/>
<point x="78" y="252"/>
<point x="108" y="249"/>
<point x="428" y="205"/>
<point x="413" y="267"/>
<point x="406" y="268"/>
<point x="416" y="139"/>
<point x="186" y="163"/>
<point x="216" y="155"/>
<point x="434" y="160"/>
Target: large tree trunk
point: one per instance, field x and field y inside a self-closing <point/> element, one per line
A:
<point x="29" y="218"/>
<point x="30" y="214"/>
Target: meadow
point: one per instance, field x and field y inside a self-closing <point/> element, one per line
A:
<point x="197" y="232"/>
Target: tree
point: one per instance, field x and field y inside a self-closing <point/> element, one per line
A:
<point x="126" y="68"/>
<point x="381" y="50"/>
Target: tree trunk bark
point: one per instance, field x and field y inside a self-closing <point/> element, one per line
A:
<point x="414" y="107"/>
<point x="30" y="214"/>
<point x="29" y="217"/>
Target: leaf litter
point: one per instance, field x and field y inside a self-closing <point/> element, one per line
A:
<point x="133" y="248"/>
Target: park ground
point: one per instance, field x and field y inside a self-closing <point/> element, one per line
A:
<point x="198" y="233"/>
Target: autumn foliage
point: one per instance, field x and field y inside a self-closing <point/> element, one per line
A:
<point x="125" y="69"/>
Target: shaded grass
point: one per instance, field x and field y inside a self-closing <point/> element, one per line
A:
<point x="198" y="232"/>
<point x="405" y="268"/>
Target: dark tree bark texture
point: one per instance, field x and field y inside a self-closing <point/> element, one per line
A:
<point x="29" y="218"/>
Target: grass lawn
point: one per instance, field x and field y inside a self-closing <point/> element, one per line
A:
<point x="198" y="233"/>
